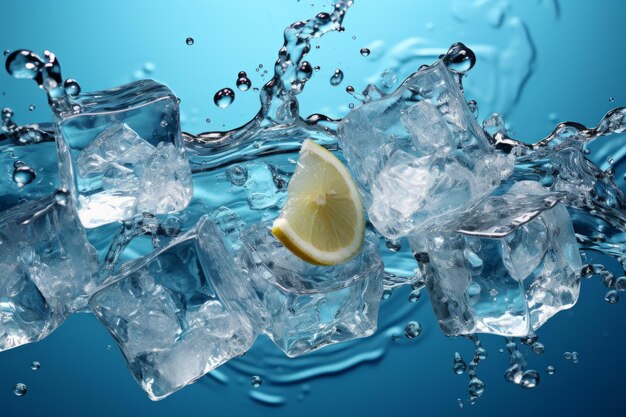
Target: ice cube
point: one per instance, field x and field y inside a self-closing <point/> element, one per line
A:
<point x="121" y="153"/>
<point x="181" y="311"/>
<point x="504" y="267"/>
<point x="421" y="145"/>
<point x="312" y="306"/>
<point x="46" y="269"/>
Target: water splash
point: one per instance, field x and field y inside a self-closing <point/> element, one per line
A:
<point x="237" y="188"/>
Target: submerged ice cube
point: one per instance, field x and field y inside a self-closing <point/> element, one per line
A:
<point x="418" y="155"/>
<point x="181" y="311"/>
<point x="504" y="267"/>
<point x="47" y="267"/>
<point x="312" y="306"/>
<point x="121" y="153"/>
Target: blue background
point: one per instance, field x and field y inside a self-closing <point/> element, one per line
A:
<point x="573" y="63"/>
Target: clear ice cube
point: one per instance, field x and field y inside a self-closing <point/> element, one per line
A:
<point x="181" y="311"/>
<point x="121" y="153"/>
<point x="418" y="155"/>
<point x="47" y="268"/>
<point x="504" y="267"/>
<point x="312" y="306"/>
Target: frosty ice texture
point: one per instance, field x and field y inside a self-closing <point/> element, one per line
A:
<point x="46" y="269"/>
<point x="181" y="311"/>
<point x="121" y="153"/>
<point x="418" y="155"/>
<point x="504" y="267"/>
<point x="312" y="306"/>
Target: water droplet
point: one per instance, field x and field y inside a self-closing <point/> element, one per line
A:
<point x="189" y="41"/>
<point x="305" y="71"/>
<point x="224" y="98"/>
<point x="458" y="366"/>
<point x="611" y="99"/>
<point x="71" y="87"/>
<point x="365" y="51"/>
<point x="243" y="82"/>
<point x="20" y="389"/>
<point x="24" y="64"/>
<point x="31" y="107"/>
<point x="23" y="174"/>
<point x="208" y="120"/>
<point x="459" y="58"/>
<point x="476" y="387"/>
<point x="538" y="348"/>
<point x="351" y="105"/>
<point x="35" y="366"/>
<point x="256" y="381"/>
<point x="550" y="370"/>
<point x="412" y="329"/>
<point x="611" y="297"/>
<point x="336" y="78"/>
<point x="530" y="379"/>
<point x="237" y="175"/>
<point x="415" y="295"/>
<point x="353" y="37"/>
<point x="349" y="89"/>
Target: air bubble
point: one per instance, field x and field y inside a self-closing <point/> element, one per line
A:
<point x="237" y="175"/>
<point x="365" y="51"/>
<point x="20" y="389"/>
<point x="530" y="379"/>
<point x="224" y="98"/>
<point x="190" y="41"/>
<point x="35" y="366"/>
<point x="611" y="297"/>
<point x="415" y="295"/>
<point x="550" y="370"/>
<point x="538" y="348"/>
<point x="458" y="366"/>
<point x="23" y="174"/>
<point x="476" y="387"/>
<point x="256" y="381"/>
<point x="31" y="107"/>
<point x="412" y="330"/>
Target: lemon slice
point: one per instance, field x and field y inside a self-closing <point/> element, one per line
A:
<point x="323" y="221"/>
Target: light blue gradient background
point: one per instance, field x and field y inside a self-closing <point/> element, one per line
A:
<point x="579" y="65"/>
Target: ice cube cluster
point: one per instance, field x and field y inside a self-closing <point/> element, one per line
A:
<point x="498" y="257"/>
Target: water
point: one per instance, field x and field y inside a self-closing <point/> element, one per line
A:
<point x="214" y="151"/>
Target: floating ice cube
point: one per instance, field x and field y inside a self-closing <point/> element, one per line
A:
<point x="181" y="311"/>
<point x="504" y="267"/>
<point x="121" y="153"/>
<point x="418" y="155"/>
<point x="46" y="269"/>
<point x="312" y="306"/>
